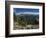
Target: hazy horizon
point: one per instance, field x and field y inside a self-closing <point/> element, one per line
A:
<point x="32" y="11"/>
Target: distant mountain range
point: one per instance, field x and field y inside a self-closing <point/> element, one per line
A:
<point x="29" y="16"/>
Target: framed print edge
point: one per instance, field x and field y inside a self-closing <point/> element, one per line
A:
<point x="25" y="31"/>
<point x="7" y="22"/>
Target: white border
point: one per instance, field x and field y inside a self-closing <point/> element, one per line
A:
<point x="25" y="31"/>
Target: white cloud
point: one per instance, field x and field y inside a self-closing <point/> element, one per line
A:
<point x="27" y="13"/>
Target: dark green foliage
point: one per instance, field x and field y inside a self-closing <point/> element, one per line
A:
<point x="21" y="21"/>
<point x="24" y="20"/>
<point x="15" y="18"/>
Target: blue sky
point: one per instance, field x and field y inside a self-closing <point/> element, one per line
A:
<point x="19" y="11"/>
